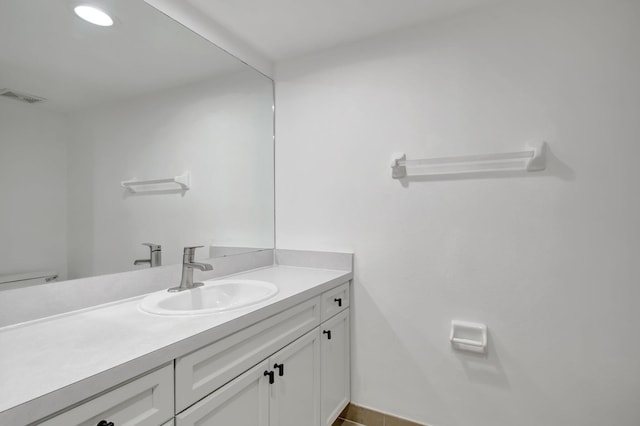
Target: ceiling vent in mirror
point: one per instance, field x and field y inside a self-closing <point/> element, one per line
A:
<point x="21" y="96"/>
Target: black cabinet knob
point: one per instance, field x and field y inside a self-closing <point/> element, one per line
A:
<point x="105" y="423"/>
<point x="328" y="333"/>
<point x="266" y="373"/>
<point x="280" y="368"/>
<point x="338" y="301"/>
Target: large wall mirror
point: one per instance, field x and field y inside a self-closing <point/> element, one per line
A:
<point x="144" y="99"/>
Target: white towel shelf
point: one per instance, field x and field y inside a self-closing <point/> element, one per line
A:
<point x="182" y="183"/>
<point x="530" y="160"/>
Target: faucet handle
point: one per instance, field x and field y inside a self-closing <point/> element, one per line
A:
<point x="189" y="253"/>
<point x="152" y="246"/>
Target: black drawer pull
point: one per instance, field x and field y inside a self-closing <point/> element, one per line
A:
<point x="280" y="368"/>
<point x="105" y="423"/>
<point x="266" y="373"/>
<point x="339" y="302"/>
<point x="328" y="333"/>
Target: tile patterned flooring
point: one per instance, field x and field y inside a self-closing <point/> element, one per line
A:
<point x="354" y="415"/>
<point x="343" y="422"/>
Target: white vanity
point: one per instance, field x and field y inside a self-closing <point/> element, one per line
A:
<point x="284" y="361"/>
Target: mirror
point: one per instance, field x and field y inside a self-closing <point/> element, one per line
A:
<point x="144" y="99"/>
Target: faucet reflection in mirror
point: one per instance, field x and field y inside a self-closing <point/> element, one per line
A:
<point x="155" y="256"/>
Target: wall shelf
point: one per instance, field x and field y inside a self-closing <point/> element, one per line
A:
<point x="530" y="160"/>
<point x="178" y="183"/>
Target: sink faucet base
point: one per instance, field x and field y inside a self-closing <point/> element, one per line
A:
<point x="180" y="288"/>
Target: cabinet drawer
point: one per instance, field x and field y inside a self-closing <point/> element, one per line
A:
<point x="147" y="401"/>
<point x="207" y="369"/>
<point x="334" y="301"/>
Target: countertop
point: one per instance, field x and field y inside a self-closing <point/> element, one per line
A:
<point x="49" y="364"/>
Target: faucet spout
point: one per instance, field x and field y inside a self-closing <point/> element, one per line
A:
<point x="199" y="266"/>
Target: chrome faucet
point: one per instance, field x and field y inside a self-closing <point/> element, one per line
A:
<point x="188" y="265"/>
<point x="155" y="255"/>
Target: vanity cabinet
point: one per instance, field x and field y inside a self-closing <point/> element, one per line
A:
<point x="274" y="373"/>
<point x="290" y="369"/>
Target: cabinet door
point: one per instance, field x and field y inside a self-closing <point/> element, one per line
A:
<point x="295" y="395"/>
<point x="242" y="402"/>
<point x="335" y="367"/>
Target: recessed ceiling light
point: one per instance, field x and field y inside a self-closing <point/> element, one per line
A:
<point x="93" y="15"/>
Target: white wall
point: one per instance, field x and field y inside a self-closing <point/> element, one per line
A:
<point x="220" y="131"/>
<point x="33" y="198"/>
<point x="547" y="261"/>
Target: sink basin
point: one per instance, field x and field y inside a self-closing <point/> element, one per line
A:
<point x="212" y="297"/>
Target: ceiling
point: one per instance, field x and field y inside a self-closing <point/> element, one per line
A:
<point x="45" y="50"/>
<point x="284" y="28"/>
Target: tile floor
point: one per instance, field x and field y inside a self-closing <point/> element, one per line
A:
<point x="343" y="422"/>
<point x="354" y="415"/>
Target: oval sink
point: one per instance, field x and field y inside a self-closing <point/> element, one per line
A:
<point x="212" y="297"/>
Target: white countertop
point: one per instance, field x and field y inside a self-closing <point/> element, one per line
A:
<point x="52" y="363"/>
